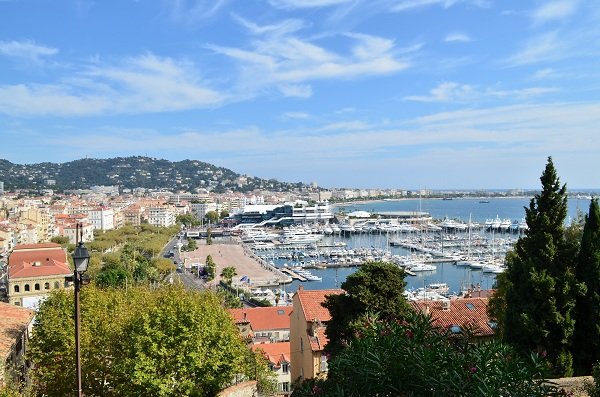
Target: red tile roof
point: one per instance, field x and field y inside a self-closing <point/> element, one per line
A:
<point x="311" y="300"/>
<point x="467" y="312"/>
<point x="276" y="353"/>
<point x="14" y="320"/>
<point x="38" y="260"/>
<point x="319" y="340"/>
<point x="264" y="318"/>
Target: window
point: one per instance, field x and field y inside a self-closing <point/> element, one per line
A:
<point x="56" y="285"/>
<point x="37" y="286"/>
<point x="16" y="288"/>
<point x="285" y="368"/>
<point x="46" y="285"/>
<point x="26" y="287"/>
<point x="285" y="386"/>
<point x="301" y="345"/>
<point x="470" y="306"/>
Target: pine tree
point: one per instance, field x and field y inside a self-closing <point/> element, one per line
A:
<point x="587" y="325"/>
<point x="535" y="300"/>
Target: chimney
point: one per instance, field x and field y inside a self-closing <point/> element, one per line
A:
<point x="446" y="305"/>
<point x="427" y="310"/>
<point x="301" y="288"/>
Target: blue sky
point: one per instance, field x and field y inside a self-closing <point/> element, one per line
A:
<point x="358" y="93"/>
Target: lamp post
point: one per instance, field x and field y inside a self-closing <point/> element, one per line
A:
<point x="81" y="258"/>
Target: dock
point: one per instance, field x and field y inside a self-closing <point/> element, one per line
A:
<point x="293" y="274"/>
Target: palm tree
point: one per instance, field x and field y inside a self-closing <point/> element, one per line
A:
<point x="227" y="274"/>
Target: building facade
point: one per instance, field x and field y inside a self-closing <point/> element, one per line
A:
<point x="34" y="270"/>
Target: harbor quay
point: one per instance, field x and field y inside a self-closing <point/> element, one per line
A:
<point x="251" y="270"/>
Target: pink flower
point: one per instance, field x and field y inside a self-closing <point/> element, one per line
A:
<point x="473" y="370"/>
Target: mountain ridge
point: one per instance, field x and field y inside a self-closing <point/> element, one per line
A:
<point x="131" y="172"/>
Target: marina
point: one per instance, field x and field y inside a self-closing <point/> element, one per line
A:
<point x="434" y="251"/>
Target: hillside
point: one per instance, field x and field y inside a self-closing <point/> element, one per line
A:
<point x="132" y="172"/>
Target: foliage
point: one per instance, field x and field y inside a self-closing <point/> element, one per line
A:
<point x="587" y="325"/>
<point x="208" y="236"/>
<point x="224" y="214"/>
<point x="211" y="268"/>
<point x="62" y="240"/>
<point x="593" y="389"/>
<point x="535" y="299"/>
<point x="374" y="287"/>
<point x="139" y="341"/>
<point x="415" y="358"/>
<point x="212" y="216"/>
<point x="188" y="220"/>
<point x="228" y="273"/>
<point x="192" y="245"/>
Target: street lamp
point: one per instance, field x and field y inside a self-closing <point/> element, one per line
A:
<point x="81" y="258"/>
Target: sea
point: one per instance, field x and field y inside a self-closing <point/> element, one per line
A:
<point x="457" y="277"/>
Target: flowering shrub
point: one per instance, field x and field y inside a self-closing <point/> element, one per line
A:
<point x="415" y="358"/>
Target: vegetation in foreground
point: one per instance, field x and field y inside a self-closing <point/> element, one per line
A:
<point x="140" y="341"/>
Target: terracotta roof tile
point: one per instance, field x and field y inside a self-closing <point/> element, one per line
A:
<point x="264" y="318"/>
<point x="38" y="260"/>
<point x="311" y="300"/>
<point x="276" y="353"/>
<point x="319" y="340"/>
<point x="13" y="321"/>
<point x="462" y="312"/>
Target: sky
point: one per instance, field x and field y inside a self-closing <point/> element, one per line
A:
<point x="439" y="94"/>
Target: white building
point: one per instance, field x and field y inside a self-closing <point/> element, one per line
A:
<point x="199" y="210"/>
<point x="161" y="216"/>
<point x="102" y="218"/>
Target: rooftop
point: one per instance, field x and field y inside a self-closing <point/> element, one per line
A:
<point x="311" y="300"/>
<point x="264" y="318"/>
<point x="13" y="321"/>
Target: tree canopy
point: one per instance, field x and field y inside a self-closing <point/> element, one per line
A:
<point x="587" y="326"/>
<point x="415" y="358"/>
<point x="535" y="298"/>
<point x="375" y="287"/>
<point x="139" y="341"/>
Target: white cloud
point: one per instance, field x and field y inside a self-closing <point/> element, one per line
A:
<point x="554" y="10"/>
<point x="406" y="5"/>
<point x="291" y="60"/>
<point x="544" y="47"/>
<point x="281" y="28"/>
<point x="26" y="49"/>
<point x="142" y="84"/>
<point x="191" y="11"/>
<point x="457" y="37"/>
<point x="294" y="4"/>
<point x="544" y="74"/>
<point x="295" y="115"/>
<point x="462" y="93"/>
<point x="296" y="90"/>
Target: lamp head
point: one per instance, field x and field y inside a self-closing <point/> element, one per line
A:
<point x="81" y="258"/>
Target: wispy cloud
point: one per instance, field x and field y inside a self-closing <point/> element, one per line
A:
<point x="547" y="46"/>
<point x="191" y="11"/>
<point x="295" y="115"/>
<point x="294" y="4"/>
<point x="26" y="49"/>
<point x="457" y="37"/>
<point x="280" y="28"/>
<point x="282" y="60"/>
<point x="406" y="5"/>
<point x="138" y="85"/>
<point x="296" y="90"/>
<point x="452" y="92"/>
<point x="554" y="10"/>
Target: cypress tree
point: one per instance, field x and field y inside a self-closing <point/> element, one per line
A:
<point x="535" y="299"/>
<point x="587" y="327"/>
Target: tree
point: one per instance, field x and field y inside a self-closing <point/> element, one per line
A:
<point x="228" y="273"/>
<point x="62" y="240"/>
<point x="375" y="287"/>
<point x="212" y="216"/>
<point x="535" y="299"/>
<point x="587" y="325"/>
<point x="415" y="358"/>
<point x="139" y="342"/>
<point x="208" y="236"/>
<point x="211" y="268"/>
<point x="188" y="220"/>
<point x="192" y="245"/>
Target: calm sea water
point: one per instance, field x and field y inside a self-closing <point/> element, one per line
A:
<point x="455" y="276"/>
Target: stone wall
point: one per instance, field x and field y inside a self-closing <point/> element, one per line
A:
<point x="574" y="385"/>
<point x="244" y="389"/>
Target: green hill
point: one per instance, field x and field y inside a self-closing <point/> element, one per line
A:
<point x="132" y="172"/>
